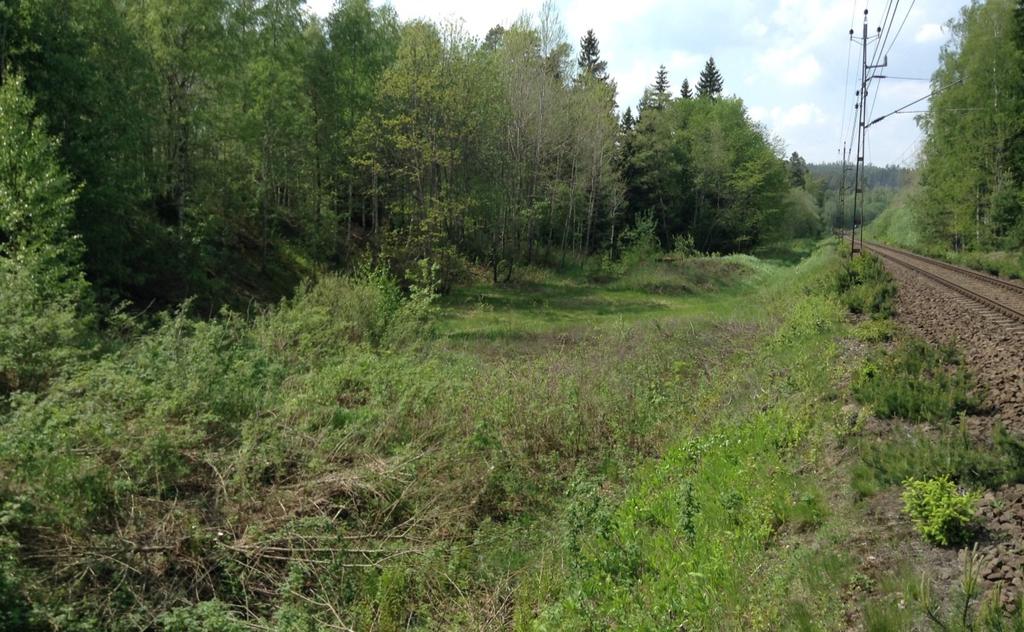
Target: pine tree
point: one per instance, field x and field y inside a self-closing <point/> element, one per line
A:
<point x="797" y="171"/>
<point x="686" y="92"/>
<point x="493" y="38"/>
<point x="590" y="62"/>
<point x="710" y="83"/>
<point x="661" y="82"/>
<point x="628" y="122"/>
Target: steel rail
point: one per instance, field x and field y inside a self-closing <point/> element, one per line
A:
<point x="987" y="278"/>
<point x="984" y="300"/>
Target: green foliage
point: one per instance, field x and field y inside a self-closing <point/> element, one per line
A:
<point x="866" y="288"/>
<point x="972" y="172"/>
<point x="328" y="456"/>
<point x="43" y="295"/>
<point x="704" y="168"/>
<point x="710" y="84"/>
<point x="680" y="548"/>
<point x="206" y="616"/>
<point x="640" y="241"/>
<point x="917" y="382"/>
<point x="941" y="513"/>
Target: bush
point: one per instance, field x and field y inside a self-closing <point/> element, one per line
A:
<point x="990" y="463"/>
<point x="917" y="382"/>
<point x="866" y="288"/>
<point x="939" y="511"/>
<point x="641" y="241"/>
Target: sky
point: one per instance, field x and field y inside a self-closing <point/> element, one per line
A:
<point x="791" y="61"/>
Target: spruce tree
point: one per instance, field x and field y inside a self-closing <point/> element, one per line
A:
<point x="590" y="62"/>
<point x="661" y="82"/>
<point x="710" y="83"/>
<point x="686" y="92"/>
<point x="628" y="122"/>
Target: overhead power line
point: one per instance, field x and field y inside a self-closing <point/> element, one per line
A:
<point x="901" y="110"/>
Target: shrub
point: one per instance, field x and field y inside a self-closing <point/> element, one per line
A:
<point x="683" y="247"/>
<point x="866" y="288"/>
<point x="917" y="382"/>
<point x="940" y="512"/>
<point x="641" y="241"/>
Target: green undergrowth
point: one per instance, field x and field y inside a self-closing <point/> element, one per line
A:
<point x="1004" y="263"/>
<point x="362" y="457"/>
<point x="897" y="226"/>
<point x="952" y="452"/>
<point x="866" y="288"/>
<point x="543" y="303"/>
<point x="679" y="548"/>
<point x="919" y="446"/>
<point x="917" y="381"/>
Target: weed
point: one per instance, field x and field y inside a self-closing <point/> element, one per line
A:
<point x="875" y="331"/>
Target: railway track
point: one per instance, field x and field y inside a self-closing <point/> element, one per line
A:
<point x="1004" y="297"/>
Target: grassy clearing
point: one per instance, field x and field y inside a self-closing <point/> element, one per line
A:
<point x="543" y="305"/>
<point x="563" y="454"/>
<point x="680" y="547"/>
<point x="333" y="462"/>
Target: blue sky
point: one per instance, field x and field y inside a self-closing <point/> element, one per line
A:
<point x="787" y="59"/>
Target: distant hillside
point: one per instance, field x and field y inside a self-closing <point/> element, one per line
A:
<point x="889" y="176"/>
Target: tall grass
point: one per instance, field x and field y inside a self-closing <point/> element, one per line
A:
<point x="329" y="462"/>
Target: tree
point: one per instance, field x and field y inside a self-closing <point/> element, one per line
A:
<point x="797" y="171"/>
<point x="972" y="175"/>
<point x="628" y="122"/>
<point x="493" y="38"/>
<point x="709" y="85"/>
<point x="685" y="92"/>
<point x="43" y="293"/>
<point x="590" y="62"/>
<point x="661" y="82"/>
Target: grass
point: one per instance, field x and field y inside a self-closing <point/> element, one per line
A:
<point x="333" y="462"/>
<point x="651" y="450"/>
<point x="679" y="548"/>
<point x="920" y="454"/>
<point x="544" y="305"/>
<point x="917" y="382"/>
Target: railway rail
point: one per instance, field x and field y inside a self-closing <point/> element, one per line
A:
<point x="1002" y="296"/>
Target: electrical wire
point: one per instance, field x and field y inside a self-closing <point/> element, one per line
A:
<point x="915" y="102"/>
<point x="846" y="86"/>
<point x="902" y="24"/>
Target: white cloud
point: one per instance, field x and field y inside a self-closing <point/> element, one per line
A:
<point x="929" y="33"/>
<point x="684" y="65"/>
<point x="787" y="118"/>
<point x="793" y="66"/>
<point x="755" y="29"/>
